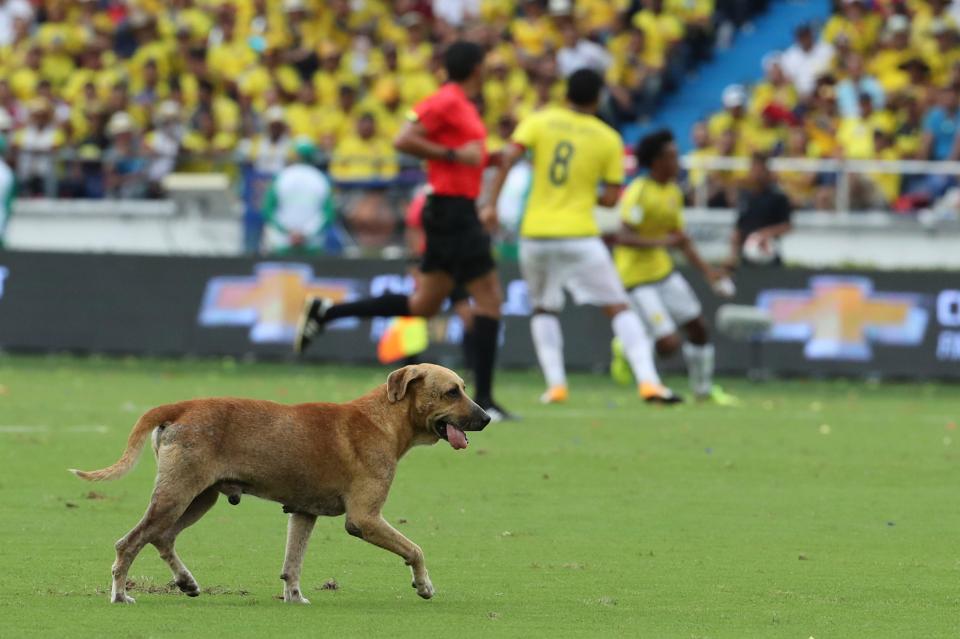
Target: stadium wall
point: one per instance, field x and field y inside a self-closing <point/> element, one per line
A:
<point x="890" y="324"/>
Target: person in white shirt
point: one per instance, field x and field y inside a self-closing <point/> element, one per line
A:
<point x="7" y="189"/>
<point x="456" y="12"/>
<point x="10" y="11"/>
<point x="36" y="145"/>
<point x="580" y="53"/>
<point x="268" y="151"/>
<point x="806" y="59"/>
<point x="163" y="145"/>
<point x="298" y="206"/>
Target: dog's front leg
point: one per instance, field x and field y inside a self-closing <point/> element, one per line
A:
<point x="374" y="529"/>
<point x="298" y="533"/>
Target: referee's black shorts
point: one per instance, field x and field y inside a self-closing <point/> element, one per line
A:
<point x="456" y="242"/>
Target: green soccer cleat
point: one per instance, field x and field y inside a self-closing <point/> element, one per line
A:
<point x="721" y="397"/>
<point x="619" y="366"/>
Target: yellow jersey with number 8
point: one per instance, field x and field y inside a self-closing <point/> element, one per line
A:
<point x="572" y="154"/>
<point x="653" y="211"/>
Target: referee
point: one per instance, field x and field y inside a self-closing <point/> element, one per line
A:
<point x="445" y="129"/>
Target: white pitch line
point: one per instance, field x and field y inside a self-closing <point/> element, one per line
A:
<point x="83" y="428"/>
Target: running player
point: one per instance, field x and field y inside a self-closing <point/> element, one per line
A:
<point x="573" y="154"/>
<point x="445" y="129"/>
<point x="652" y="223"/>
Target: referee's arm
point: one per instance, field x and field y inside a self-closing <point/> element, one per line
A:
<point x="508" y="157"/>
<point x="413" y="140"/>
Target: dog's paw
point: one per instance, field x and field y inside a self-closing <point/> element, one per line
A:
<point x="122" y="598"/>
<point x="189" y="586"/>
<point x="295" y="597"/>
<point x="425" y="589"/>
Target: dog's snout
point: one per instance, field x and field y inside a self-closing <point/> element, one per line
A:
<point x="482" y="418"/>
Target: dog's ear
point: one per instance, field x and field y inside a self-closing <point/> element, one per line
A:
<point x="399" y="380"/>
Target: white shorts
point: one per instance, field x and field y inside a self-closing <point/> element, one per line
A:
<point x="581" y="266"/>
<point x="666" y="304"/>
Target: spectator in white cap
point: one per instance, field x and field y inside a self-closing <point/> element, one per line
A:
<point x="734" y="112"/>
<point x="124" y="162"/>
<point x="268" y="151"/>
<point x="163" y="145"/>
<point x="36" y="144"/>
<point x="886" y="63"/>
<point x="806" y="59"/>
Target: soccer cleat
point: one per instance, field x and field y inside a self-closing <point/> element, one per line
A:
<point x="720" y="397"/>
<point x="311" y="322"/>
<point x="496" y="413"/>
<point x="619" y="366"/>
<point x="658" y="394"/>
<point x="555" y="395"/>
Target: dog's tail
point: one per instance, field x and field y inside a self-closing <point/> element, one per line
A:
<point x="150" y="420"/>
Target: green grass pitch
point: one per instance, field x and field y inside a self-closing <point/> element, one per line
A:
<point x="818" y="509"/>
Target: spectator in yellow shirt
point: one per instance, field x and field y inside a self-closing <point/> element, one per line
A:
<point x="886" y="64"/>
<point x="148" y="89"/>
<point x="633" y="84"/>
<point x="23" y="80"/>
<point x="697" y="17"/>
<point x="856" y="23"/>
<point x="415" y="53"/>
<point x="664" y="34"/>
<point x="272" y="73"/>
<point x="798" y="185"/>
<point x="533" y="31"/>
<point x="775" y="89"/>
<point x="943" y="54"/>
<point x="326" y="80"/>
<point x="228" y="55"/>
<point x="887" y="184"/>
<point x="364" y="157"/>
<point x="205" y="148"/>
<point x="305" y="115"/>
<point x="734" y="117"/>
<point x="57" y="63"/>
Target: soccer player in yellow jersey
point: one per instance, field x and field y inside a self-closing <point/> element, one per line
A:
<point x="651" y="210"/>
<point x="574" y="154"/>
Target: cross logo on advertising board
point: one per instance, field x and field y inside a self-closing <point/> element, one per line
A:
<point x="839" y="317"/>
<point x="270" y="301"/>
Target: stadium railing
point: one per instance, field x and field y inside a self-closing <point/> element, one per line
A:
<point x="843" y="169"/>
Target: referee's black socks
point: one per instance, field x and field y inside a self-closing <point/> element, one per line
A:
<point x="486" y="331"/>
<point x="384" y="306"/>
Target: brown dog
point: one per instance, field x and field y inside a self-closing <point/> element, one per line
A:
<point x="315" y="459"/>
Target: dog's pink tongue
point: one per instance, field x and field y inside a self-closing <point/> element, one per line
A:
<point x="456" y="437"/>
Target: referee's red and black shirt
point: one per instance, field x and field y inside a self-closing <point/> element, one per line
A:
<point x="451" y="119"/>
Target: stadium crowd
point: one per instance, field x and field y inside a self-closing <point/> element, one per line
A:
<point x="880" y="80"/>
<point x="104" y="98"/>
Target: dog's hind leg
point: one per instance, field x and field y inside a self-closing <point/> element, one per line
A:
<point x="364" y="521"/>
<point x="164" y="544"/>
<point x="298" y="533"/>
<point x="167" y="504"/>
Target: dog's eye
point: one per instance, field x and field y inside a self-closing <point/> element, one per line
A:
<point x="453" y="392"/>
